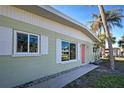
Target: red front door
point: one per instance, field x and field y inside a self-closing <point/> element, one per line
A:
<point x="83" y="53"/>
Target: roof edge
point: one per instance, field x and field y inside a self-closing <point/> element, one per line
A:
<point x="57" y="12"/>
<point x="55" y="15"/>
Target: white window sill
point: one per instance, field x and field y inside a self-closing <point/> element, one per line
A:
<point x="25" y="55"/>
<point x="67" y="62"/>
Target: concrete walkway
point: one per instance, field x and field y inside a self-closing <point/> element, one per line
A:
<point x="65" y="78"/>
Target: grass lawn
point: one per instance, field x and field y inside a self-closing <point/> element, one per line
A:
<point x="101" y="77"/>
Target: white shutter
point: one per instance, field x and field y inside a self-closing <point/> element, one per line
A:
<point x="58" y="51"/>
<point x="79" y="51"/>
<point x="44" y="45"/>
<point x="5" y="41"/>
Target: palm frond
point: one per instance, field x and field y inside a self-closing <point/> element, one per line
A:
<point x="95" y="16"/>
<point x="113" y="17"/>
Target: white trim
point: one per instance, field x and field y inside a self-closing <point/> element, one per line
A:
<point x="28" y="42"/>
<point x="44" y="45"/>
<point x="24" y="53"/>
<point x="5" y="41"/>
<point x="60" y="53"/>
<point x="67" y="62"/>
<point x="28" y="17"/>
<point x="79" y="51"/>
<point x="58" y="50"/>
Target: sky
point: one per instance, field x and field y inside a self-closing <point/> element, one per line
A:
<point x="83" y="14"/>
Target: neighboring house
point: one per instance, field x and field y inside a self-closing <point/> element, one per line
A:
<point x="121" y="51"/>
<point x="39" y="41"/>
<point x="116" y="52"/>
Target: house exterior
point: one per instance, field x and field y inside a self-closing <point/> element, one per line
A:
<point x="38" y="41"/>
<point x="121" y="51"/>
<point x="116" y="52"/>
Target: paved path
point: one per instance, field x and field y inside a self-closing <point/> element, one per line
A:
<point x="64" y="79"/>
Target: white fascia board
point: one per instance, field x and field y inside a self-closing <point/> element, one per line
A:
<point x="53" y="10"/>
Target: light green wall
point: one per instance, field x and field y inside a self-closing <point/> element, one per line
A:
<point x="18" y="70"/>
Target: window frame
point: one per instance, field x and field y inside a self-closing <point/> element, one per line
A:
<point x="25" y="53"/>
<point x="70" y="60"/>
<point x="75" y="51"/>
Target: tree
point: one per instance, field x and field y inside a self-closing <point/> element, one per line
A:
<point x="113" y="17"/>
<point x="102" y="38"/>
<point x="106" y="21"/>
<point x="121" y="42"/>
<point x="107" y="32"/>
<point x="113" y="40"/>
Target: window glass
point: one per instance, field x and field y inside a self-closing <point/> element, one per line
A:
<point x="33" y="43"/>
<point x="65" y="51"/>
<point x="72" y="51"/>
<point x="22" y="42"/>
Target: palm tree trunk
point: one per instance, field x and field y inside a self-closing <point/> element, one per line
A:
<point x="103" y="49"/>
<point x="102" y="13"/>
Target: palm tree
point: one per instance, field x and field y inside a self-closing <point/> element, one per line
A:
<point x="113" y="18"/>
<point x="102" y="39"/>
<point x="107" y="32"/>
<point x="113" y="40"/>
<point x="105" y="21"/>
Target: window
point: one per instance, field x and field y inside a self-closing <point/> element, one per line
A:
<point x="72" y="51"/>
<point x="68" y="51"/>
<point x="22" y="42"/>
<point x="26" y="43"/>
<point x="65" y="51"/>
<point x="33" y="43"/>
